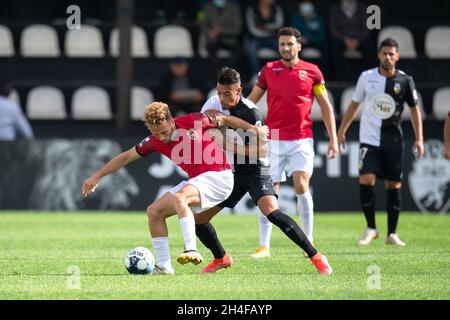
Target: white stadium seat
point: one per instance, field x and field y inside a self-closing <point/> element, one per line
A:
<point x="267" y="53"/>
<point x="139" y="43"/>
<point x="6" y="42"/>
<point x="437" y="42"/>
<point x="91" y="103"/>
<point x="441" y="103"/>
<point x="140" y="98"/>
<point x="46" y="102"/>
<point x="84" y="42"/>
<point x="39" y="40"/>
<point x="14" y="96"/>
<point x="403" y="37"/>
<point x="346" y="98"/>
<point x="316" y="113"/>
<point x="406" y="115"/>
<point x="172" y="41"/>
<point x="310" y="53"/>
<point x="212" y="92"/>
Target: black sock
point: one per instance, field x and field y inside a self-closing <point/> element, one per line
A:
<point x="367" y="198"/>
<point x="393" y="208"/>
<point x="292" y="230"/>
<point x="208" y="236"/>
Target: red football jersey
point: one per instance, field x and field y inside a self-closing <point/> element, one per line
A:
<point x="290" y="97"/>
<point x="190" y="149"/>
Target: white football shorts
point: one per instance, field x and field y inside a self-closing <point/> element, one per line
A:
<point x="213" y="186"/>
<point x="288" y="156"/>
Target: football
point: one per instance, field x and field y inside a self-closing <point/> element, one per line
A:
<point x="139" y="260"/>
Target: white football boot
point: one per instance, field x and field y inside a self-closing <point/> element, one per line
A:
<point x="395" y="240"/>
<point x="368" y="236"/>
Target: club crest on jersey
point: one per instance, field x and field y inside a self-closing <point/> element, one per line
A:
<point x="302" y="74"/>
<point x="397" y="88"/>
<point x="191" y="134"/>
<point x="382" y="106"/>
<point x="429" y="180"/>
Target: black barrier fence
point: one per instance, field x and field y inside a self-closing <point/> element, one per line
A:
<point x="48" y="174"/>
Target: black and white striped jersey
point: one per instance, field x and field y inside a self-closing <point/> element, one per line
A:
<point x="382" y="101"/>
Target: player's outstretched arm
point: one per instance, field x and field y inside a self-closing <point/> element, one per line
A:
<point x="416" y="121"/>
<point x="119" y="161"/>
<point x="330" y="123"/>
<point x="346" y="122"/>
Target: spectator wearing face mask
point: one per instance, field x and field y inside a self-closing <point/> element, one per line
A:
<point x="221" y="27"/>
<point x="313" y="31"/>
<point x="263" y="19"/>
<point x="349" y="34"/>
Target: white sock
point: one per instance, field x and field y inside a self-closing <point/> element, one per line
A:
<point x="305" y="207"/>
<point x="162" y="252"/>
<point x="265" y="230"/>
<point x="187" y="225"/>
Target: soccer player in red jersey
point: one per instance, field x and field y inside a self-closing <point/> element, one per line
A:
<point x="186" y="141"/>
<point x="292" y="84"/>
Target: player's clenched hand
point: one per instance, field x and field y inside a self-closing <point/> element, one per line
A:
<point x="89" y="185"/>
<point x="263" y="132"/>
<point x="418" y="149"/>
<point x="333" y="150"/>
<point x="212" y="115"/>
<point x="341" y="141"/>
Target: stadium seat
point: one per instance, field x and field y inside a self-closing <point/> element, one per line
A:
<point x="140" y="98"/>
<point x="139" y="43"/>
<point x="46" y="102"/>
<point x="91" y="103"/>
<point x="39" y="40"/>
<point x="441" y="103"/>
<point x="404" y="38"/>
<point x="84" y="42"/>
<point x="172" y="41"/>
<point x="316" y="114"/>
<point x="310" y="53"/>
<point x="6" y="42"/>
<point x="266" y="53"/>
<point x="346" y="98"/>
<point x="14" y="96"/>
<point x="406" y="115"/>
<point x="212" y="92"/>
<point x="437" y="42"/>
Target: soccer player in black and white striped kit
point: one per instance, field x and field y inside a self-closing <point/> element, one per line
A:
<point x="383" y="91"/>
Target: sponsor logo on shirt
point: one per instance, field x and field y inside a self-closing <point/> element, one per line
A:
<point x="382" y="106"/>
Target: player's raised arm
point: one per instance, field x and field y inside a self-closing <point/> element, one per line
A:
<point x="330" y="122"/>
<point x="119" y="161"/>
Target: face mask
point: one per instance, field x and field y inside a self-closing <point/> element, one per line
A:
<point x="219" y="3"/>
<point x="307" y="9"/>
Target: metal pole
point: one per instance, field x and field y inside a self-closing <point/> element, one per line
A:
<point x="124" y="66"/>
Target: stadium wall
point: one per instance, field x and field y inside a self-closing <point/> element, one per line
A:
<point x="48" y="174"/>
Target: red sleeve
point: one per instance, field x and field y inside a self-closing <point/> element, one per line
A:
<point x="318" y="77"/>
<point x="262" y="79"/>
<point x="206" y="124"/>
<point x="145" y="147"/>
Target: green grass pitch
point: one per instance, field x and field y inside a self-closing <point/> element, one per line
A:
<point x="37" y="250"/>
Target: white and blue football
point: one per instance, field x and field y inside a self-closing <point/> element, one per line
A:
<point x="140" y="260"/>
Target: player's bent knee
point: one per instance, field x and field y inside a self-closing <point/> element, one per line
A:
<point x="301" y="188"/>
<point x="153" y="213"/>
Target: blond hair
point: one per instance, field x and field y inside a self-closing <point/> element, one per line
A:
<point x="155" y="113"/>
